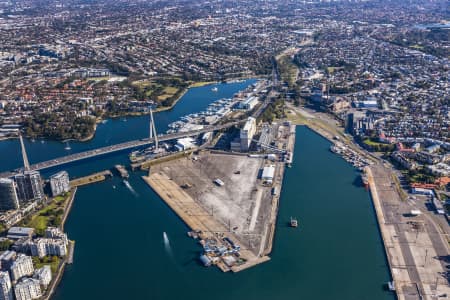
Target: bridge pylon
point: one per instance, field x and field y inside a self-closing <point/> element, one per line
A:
<point x="153" y="129"/>
<point x="26" y="163"/>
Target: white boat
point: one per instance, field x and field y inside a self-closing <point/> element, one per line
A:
<point x="215" y="89"/>
<point x="293" y="222"/>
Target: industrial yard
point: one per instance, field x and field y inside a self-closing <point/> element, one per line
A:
<point x="237" y="207"/>
<point x="229" y="200"/>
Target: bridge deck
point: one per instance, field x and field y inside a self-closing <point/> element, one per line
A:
<point x="115" y="148"/>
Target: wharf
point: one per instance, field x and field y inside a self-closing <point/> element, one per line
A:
<point x="393" y="251"/>
<point x="196" y="217"/>
<point x="145" y="165"/>
<point x="93" y="178"/>
<point x="69" y="259"/>
<point x="270" y="234"/>
<point x="414" y="246"/>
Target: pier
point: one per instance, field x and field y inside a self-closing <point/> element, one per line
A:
<point x="93" y="178"/>
<point x="69" y="259"/>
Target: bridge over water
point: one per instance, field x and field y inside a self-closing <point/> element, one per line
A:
<point x="118" y="147"/>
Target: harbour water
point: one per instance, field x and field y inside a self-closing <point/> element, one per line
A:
<point x="132" y="246"/>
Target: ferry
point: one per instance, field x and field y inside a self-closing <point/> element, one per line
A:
<point x="293" y="222"/>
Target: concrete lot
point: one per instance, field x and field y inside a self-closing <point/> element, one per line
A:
<point x="242" y="204"/>
<point x="416" y="247"/>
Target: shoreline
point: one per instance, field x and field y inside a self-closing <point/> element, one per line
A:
<point x="276" y="200"/>
<point x="137" y="114"/>
<point x="56" y="279"/>
<point x="181" y="204"/>
<point x="385" y="234"/>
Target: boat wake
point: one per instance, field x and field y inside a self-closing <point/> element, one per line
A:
<point x="130" y="188"/>
<point x="167" y="245"/>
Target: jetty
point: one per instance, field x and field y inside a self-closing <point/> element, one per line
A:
<point x="93" y="178"/>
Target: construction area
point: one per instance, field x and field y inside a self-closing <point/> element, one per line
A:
<point x="229" y="200"/>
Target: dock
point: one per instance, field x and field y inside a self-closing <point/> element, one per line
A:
<point x="270" y="234"/>
<point x="93" y="178"/>
<point x="69" y="259"/>
<point x="122" y="171"/>
<point x="146" y="164"/>
<point x="415" y="269"/>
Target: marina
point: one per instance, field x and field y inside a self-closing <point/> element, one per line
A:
<point x="350" y="155"/>
<point x="219" y="109"/>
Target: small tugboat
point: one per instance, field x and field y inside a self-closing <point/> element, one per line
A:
<point x="293" y="223"/>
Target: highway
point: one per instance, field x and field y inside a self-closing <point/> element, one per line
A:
<point x="117" y="147"/>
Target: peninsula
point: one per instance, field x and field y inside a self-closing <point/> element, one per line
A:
<point x="228" y="200"/>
